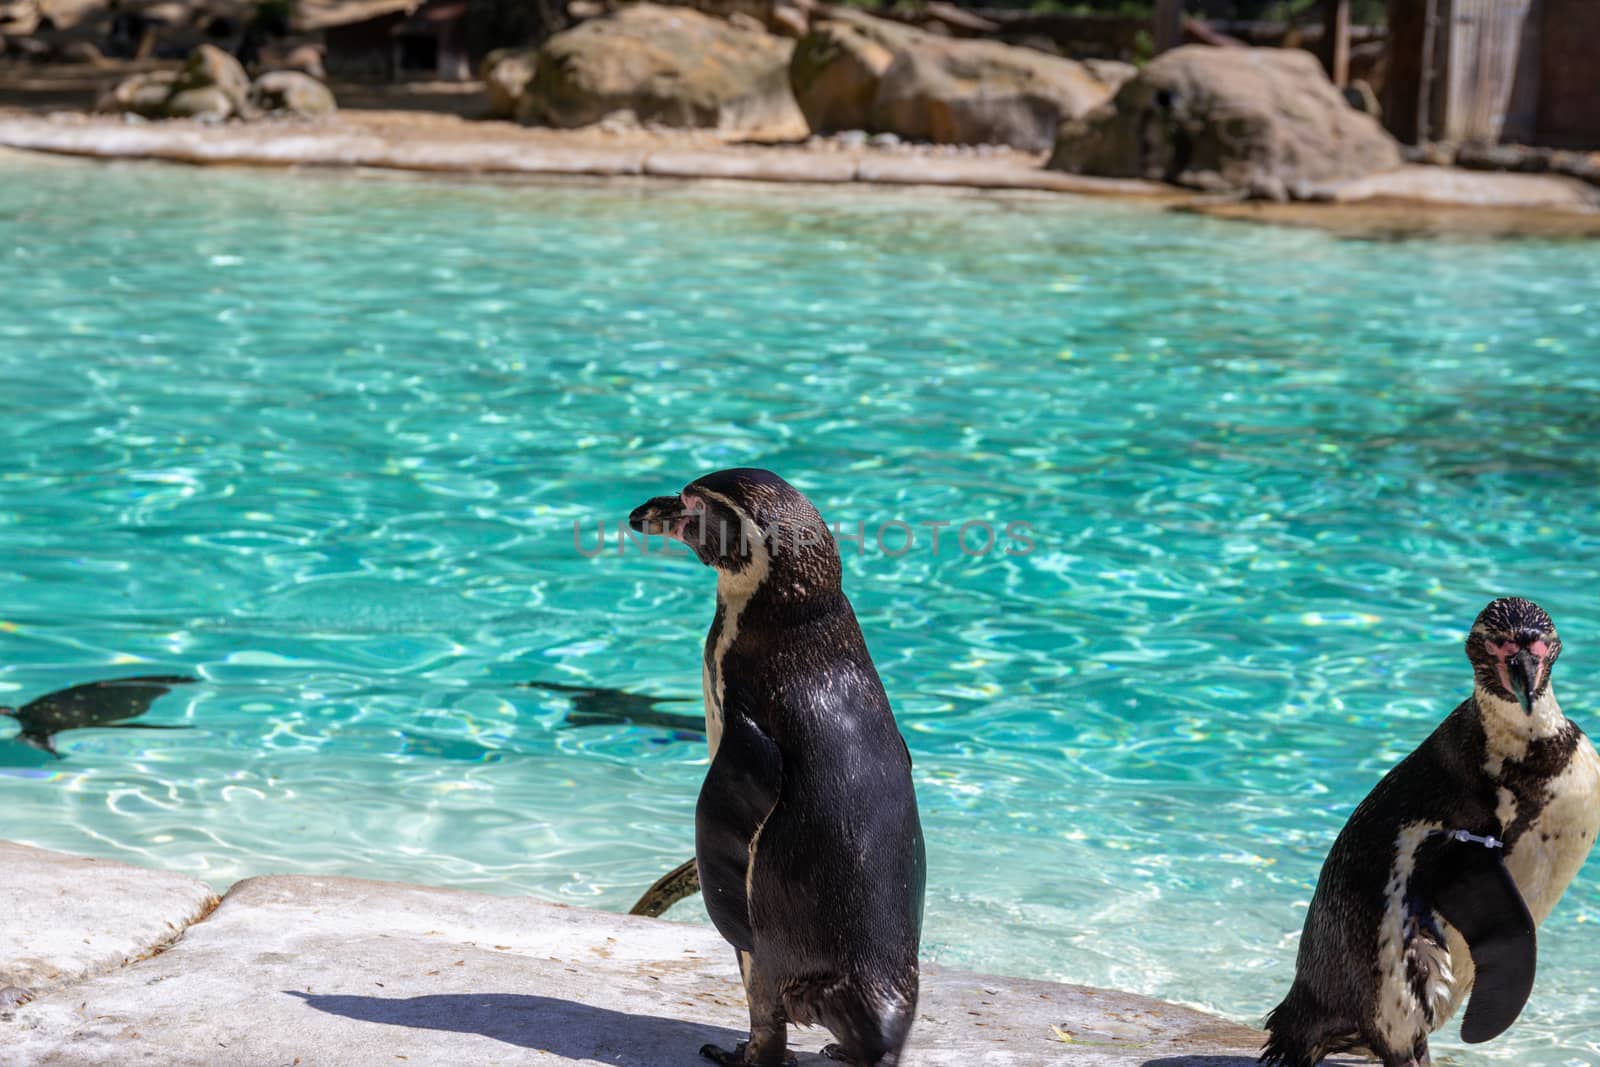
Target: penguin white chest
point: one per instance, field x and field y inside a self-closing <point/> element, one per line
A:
<point x="1548" y="855"/>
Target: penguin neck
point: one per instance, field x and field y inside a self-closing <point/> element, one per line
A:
<point x="1509" y="731"/>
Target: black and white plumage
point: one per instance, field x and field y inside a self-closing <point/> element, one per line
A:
<point x="807" y="838"/>
<point x="1435" y="886"/>
<point x="105" y="704"/>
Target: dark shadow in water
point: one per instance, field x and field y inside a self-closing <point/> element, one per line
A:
<point x="106" y="705"/>
<point x="563" y="1027"/>
<point x="599" y="706"/>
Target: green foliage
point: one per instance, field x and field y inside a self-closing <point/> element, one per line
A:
<point x="1144" y="47"/>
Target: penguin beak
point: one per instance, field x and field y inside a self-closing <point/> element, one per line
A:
<point x="1523" y="670"/>
<point x="676" y="517"/>
<point x="662" y="515"/>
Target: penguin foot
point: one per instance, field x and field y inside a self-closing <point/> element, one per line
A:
<point x="835" y="1051"/>
<point x="736" y="1058"/>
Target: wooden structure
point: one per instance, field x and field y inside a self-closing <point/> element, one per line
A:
<point x="1336" y="41"/>
<point x="1168" y="26"/>
<point x="390" y="38"/>
<point x="1488" y="71"/>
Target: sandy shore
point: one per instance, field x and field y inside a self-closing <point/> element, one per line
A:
<point x="130" y="965"/>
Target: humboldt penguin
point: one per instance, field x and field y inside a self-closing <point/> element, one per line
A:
<point x="807" y="839"/>
<point x="94" y="704"/>
<point x="1434" y="887"/>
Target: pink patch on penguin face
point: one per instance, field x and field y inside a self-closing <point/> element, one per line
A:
<point x="694" y="511"/>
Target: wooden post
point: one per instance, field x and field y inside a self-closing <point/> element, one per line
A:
<point x="1336" y="40"/>
<point x="1430" y="40"/>
<point x="1169" y="24"/>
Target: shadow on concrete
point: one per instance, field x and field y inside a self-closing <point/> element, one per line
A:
<point x="561" y="1027"/>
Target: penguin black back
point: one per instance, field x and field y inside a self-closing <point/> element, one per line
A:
<point x="807" y="837"/>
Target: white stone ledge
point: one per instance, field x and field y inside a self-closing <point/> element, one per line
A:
<point x="339" y="972"/>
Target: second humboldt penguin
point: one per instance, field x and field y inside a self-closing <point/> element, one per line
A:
<point x="806" y="832"/>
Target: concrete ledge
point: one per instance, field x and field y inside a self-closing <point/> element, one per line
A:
<point x="1411" y="200"/>
<point x="501" y="148"/>
<point x="338" y="971"/>
<point x="771" y="165"/>
<point x="1469" y="188"/>
<point x="65" y="918"/>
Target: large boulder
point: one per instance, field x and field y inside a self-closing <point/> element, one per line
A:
<point x="1261" y="120"/>
<point x="209" y="67"/>
<point x="290" y="92"/>
<point x="836" y="68"/>
<point x="668" y="65"/>
<point x="984" y="92"/>
<point x="853" y="71"/>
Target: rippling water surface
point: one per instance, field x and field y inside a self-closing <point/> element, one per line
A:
<point x="323" y="442"/>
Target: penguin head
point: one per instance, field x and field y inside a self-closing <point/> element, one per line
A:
<point x="756" y="529"/>
<point x="1512" y="646"/>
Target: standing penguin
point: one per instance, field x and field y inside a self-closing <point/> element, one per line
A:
<point x="1434" y="887"/>
<point x="806" y="832"/>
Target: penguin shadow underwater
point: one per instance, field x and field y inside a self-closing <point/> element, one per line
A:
<point x="808" y="845"/>
<point x="600" y="706"/>
<point x="1434" y="889"/>
<point x="107" y="705"/>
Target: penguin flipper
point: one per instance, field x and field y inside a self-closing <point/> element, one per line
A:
<point x="1475" y="893"/>
<point x="682" y="881"/>
<point x="741" y="789"/>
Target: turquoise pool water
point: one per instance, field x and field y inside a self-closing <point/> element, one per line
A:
<point x="322" y="441"/>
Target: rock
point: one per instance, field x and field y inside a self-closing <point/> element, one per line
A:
<point x="835" y="70"/>
<point x="1431" y="154"/>
<point x="1513" y="157"/>
<point x="855" y="71"/>
<point x="68" y="918"/>
<point x="82" y="52"/>
<point x="1360" y="95"/>
<point x="209" y="67"/>
<point x="983" y="92"/>
<point x="207" y="103"/>
<point x="19" y="18"/>
<point x="789" y="20"/>
<point x="506" y="73"/>
<point x="1584" y="166"/>
<point x="1228" y="119"/>
<point x="141" y="94"/>
<point x="1114" y="72"/>
<point x="670" y="66"/>
<point x="307" y="59"/>
<point x="293" y="93"/>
